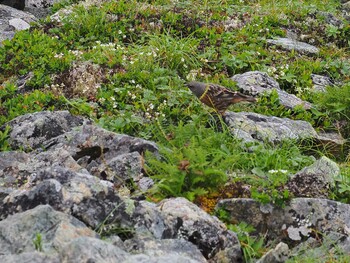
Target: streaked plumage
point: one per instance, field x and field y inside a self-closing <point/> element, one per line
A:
<point x="216" y="96"/>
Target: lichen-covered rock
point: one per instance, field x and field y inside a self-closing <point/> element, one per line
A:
<point x="315" y="180"/>
<point x="56" y="229"/>
<point x="299" y="220"/>
<point x="12" y="20"/>
<point x="256" y="82"/>
<point x="291" y="44"/>
<point x="30" y="131"/>
<point x="172" y="249"/>
<point x="91" y="200"/>
<point x="88" y="249"/>
<point x="179" y="218"/>
<point x="30" y="257"/>
<point x="320" y="83"/>
<point x="277" y="255"/>
<point x="257" y="127"/>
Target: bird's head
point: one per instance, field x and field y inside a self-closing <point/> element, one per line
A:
<point x="197" y="88"/>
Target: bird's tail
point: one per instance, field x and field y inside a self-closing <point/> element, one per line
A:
<point x="242" y="97"/>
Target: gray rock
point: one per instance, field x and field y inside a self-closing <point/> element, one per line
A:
<point x="277" y="255"/>
<point x="173" y="249"/>
<point x="12" y="20"/>
<point x="29" y="257"/>
<point x="142" y="258"/>
<point x="31" y="130"/>
<point x="186" y="220"/>
<point x="91" y="200"/>
<point x="256" y="82"/>
<point x="88" y="249"/>
<point x="57" y="229"/>
<point x="299" y="220"/>
<point x="331" y="19"/>
<point x="39" y="8"/>
<point x="120" y="169"/>
<point x="18" y="4"/>
<point x="314" y="181"/>
<point x="346" y="6"/>
<point x="320" y="83"/>
<point x="290" y="44"/>
<point x="256" y="127"/>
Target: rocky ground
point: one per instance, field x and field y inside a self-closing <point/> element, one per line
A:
<point x="72" y="191"/>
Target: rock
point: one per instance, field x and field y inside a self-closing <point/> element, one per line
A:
<point x="315" y="180"/>
<point x="277" y="255"/>
<point x="18" y="4"/>
<point x="120" y="169"/>
<point x="299" y="220"/>
<point x="256" y="82"/>
<point x="177" y="218"/>
<point x="30" y="131"/>
<point x="290" y="44"/>
<point x="253" y="127"/>
<point x="175" y="250"/>
<point x="256" y="127"/>
<point x="39" y="8"/>
<point x="91" y="200"/>
<point x="331" y="19"/>
<point x="346" y="6"/>
<point x="88" y="249"/>
<point x="12" y="20"/>
<point x="320" y="83"/>
<point x="185" y="220"/>
<point x="56" y="229"/>
<point x="30" y="257"/>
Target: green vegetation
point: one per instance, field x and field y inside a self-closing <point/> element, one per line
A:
<point x="147" y="50"/>
<point x="38" y="242"/>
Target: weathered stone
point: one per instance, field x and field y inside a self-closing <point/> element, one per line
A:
<point x="277" y="255"/>
<point x="320" y="83"/>
<point x="12" y="20"/>
<point x="300" y="219"/>
<point x="82" y="195"/>
<point x="30" y="131"/>
<point x="18" y="4"/>
<point x="346" y="6"/>
<point x="256" y="127"/>
<point x="314" y="181"/>
<point x="29" y="257"/>
<point x="166" y="248"/>
<point x="186" y="220"/>
<point x="88" y="249"/>
<point x="120" y="169"/>
<point x="290" y="44"/>
<point x="256" y="82"/>
<point x="17" y="232"/>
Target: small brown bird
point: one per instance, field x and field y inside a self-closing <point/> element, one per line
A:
<point x="216" y="96"/>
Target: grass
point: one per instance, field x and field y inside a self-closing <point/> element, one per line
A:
<point x="148" y="51"/>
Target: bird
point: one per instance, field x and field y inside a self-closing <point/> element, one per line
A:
<point x="217" y="96"/>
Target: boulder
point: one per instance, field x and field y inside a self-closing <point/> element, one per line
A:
<point x="252" y="127"/>
<point x="19" y="232"/>
<point x="315" y="180"/>
<point x="29" y="131"/>
<point x="320" y="83"/>
<point x="12" y="20"/>
<point x="256" y="82"/>
<point x="296" y="222"/>
<point x="279" y="254"/>
<point x="291" y="44"/>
